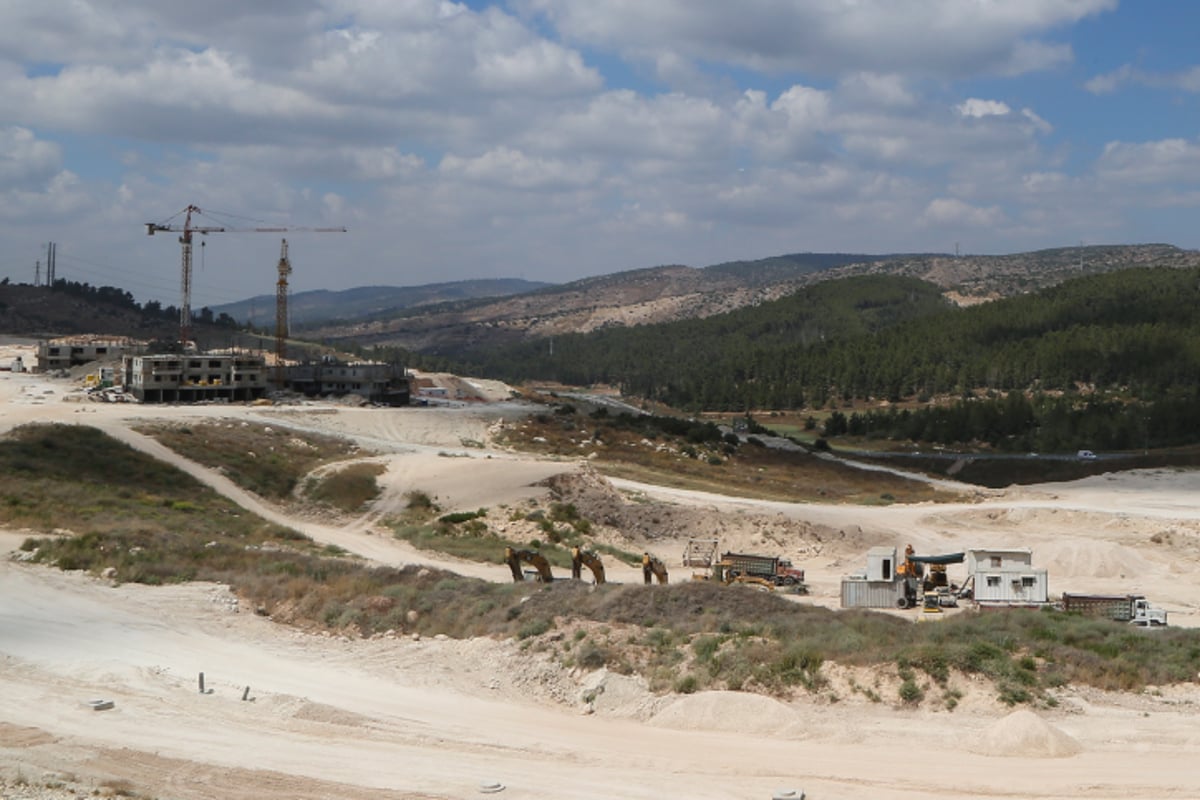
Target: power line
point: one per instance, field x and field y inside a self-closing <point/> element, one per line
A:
<point x="139" y="282"/>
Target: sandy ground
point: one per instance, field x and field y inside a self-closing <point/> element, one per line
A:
<point x="332" y="717"/>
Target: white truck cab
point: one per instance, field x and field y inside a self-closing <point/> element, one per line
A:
<point x="1146" y="615"/>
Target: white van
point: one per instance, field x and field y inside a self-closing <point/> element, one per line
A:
<point x="1087" y="455"/>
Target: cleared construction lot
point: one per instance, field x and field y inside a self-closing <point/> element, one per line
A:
<point x="328" y="716"/>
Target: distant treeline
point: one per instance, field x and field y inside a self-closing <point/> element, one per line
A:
<point x="151" y="309"/>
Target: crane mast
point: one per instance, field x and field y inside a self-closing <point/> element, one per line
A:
<point x="185" y="280"/>
<point x="186" y="232"/>
<point x="281" y="316"/>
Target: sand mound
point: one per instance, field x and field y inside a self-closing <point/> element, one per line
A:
<point x="1024" y="733"/>
<point x="737" y="712"/>
<point x="615" y="695"/>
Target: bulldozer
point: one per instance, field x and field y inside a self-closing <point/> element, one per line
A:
<point x="514" y="559"/>
<point x="581" y="558"/>
<point x="653" y="568"/>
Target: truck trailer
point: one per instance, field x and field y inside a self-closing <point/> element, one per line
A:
<point x="1131" y="608"/>
<point x="778" y="571"/>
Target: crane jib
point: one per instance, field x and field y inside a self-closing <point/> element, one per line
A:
<point x="187" y="229"/>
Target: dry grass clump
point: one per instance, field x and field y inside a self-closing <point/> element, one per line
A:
<point x="348" y="488"/>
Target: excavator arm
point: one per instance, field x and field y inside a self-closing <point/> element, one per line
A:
<point x="581" y="558"/>
<point x="653" y="568"/>
<point x="514" y="559"/>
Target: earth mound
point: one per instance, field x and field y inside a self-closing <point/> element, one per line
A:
<point x="1024" y="733"/>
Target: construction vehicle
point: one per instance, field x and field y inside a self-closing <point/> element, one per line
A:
<point x="514" y="559"/>
<point x="1132" y="608"/>
<point x="930" y="589"/>
<point x="653" y="568"/>
<point x="581" y="558"/>
<point x="700" y="554"/>
<point x="773" y="569"/>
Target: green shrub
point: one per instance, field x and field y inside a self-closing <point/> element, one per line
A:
<point x="687" y="684"/>
<point x="534" y="627"/>
<point x="591" y="655"/>
<point x="462" y="516"/>
<point x="911" y="693"/>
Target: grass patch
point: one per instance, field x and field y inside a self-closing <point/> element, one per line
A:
<point x="346" y="489"/>
<point x="129" y="511"/>
<point x="266" y="460"/>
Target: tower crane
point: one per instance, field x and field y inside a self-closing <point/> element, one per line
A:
<point x="186" y="231"/>
<point x="281" y="315"/>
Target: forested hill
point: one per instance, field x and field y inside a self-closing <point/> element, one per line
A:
<point x="886" y="337"/>
<point x="673" y="293"/>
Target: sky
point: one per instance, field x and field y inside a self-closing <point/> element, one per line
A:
<point x="556" y="139"/>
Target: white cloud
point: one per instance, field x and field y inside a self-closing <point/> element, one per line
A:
<point x="1167" y="161"/>
<point x="950" y="38"/>
<point x="954" y="212"/>
<point x="974" y="107"/>
<point x="1187" y="80"/>
<point x="624" y="125"/>
<point x="423" y="69"/>
<point x="25" y="158"/>
<point x="873" y="89"/>
<point x="1111" y="81"/>
<point x="1039" y="124"/>
<point x="511" y="168"/>
<point x="54" y="203"/>
<point x="1034" y="56"/>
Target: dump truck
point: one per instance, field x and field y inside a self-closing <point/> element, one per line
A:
<point x="778" y="571"/>
<point x="1132" y="608"/>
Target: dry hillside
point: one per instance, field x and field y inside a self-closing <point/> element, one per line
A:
<point x="666" y="294"/>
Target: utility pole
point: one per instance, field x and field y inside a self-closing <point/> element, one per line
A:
<point x="37" y="273"/>
<point x="51" y="262"/>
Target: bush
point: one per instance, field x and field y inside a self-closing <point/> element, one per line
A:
<point x="419" y="501"/>
<point x="534" y="627"/>
<point x="591" y="655"/>
<point x="462" y="516"/>
<point x="687" y="684"/>
<point x="911" y="693"/>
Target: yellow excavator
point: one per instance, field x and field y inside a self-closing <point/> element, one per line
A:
<point x="514" y="559"/>
<point x="653" y="568"/>
<point x="581" y="558"/>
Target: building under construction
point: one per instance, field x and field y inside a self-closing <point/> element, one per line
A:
<point x="376" y="382"/>
<point x="71" y="351"/>
<point x="193" y="378"/>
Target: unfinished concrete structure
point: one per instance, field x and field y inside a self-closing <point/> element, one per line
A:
<point x="71" y="351"/>
<point x="194" y="377"/>
<point x="372" y="380"/>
